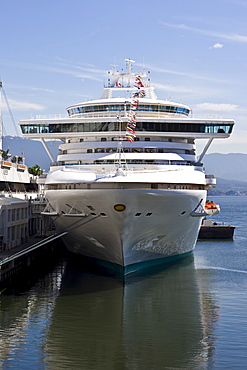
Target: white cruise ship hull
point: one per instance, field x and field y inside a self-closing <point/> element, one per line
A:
<point x="155" y="227"/>
<point x="128" y="187"/>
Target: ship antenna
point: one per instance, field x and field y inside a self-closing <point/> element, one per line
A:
<point x="129" y="61"/>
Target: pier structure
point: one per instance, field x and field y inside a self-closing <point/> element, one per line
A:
<point x="26" y="235"/>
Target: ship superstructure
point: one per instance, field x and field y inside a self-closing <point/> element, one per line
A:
<point x="127" y="184"/>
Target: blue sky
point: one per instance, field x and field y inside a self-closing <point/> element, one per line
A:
<point x="54" y="53"/>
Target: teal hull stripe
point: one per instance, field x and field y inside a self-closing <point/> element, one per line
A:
<point x="120" y="270"/>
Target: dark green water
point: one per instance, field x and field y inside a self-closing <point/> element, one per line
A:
<point x="189" y="315"/>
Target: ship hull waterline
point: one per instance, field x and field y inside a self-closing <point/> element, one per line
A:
<point x="154" y="228"/>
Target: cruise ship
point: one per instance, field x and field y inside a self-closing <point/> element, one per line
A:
<point x="127" y="185"/>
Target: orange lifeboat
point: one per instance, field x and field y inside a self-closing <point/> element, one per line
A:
<point x="211" y="208"/>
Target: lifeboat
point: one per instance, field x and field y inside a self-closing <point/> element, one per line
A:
<point x="6" y="164"/>
<point x="211" y="208"/>
<point x="21" y="167"/>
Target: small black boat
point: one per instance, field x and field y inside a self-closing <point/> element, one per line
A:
<point x="214" y="230"/>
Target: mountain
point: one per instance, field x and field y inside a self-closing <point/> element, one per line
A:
<point x="231" y="166"/>
<point x="229" y="187"/>
<point x="34" y="152"/>
<point x="230" y="171"/>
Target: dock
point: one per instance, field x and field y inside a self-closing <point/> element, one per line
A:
<point x="214" y="230"/>
<point x="20" y="259"/>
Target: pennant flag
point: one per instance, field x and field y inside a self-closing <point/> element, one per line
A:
<point x="138" y="82"/>
<point x="132" y="115"/>
<point x="131" y="125"/>
<point x="130" y="129"/>
<point x="130" y="138"/>
<point x="130" y="133"/>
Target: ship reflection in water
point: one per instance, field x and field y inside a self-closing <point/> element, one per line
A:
<point x="73" y="319"/>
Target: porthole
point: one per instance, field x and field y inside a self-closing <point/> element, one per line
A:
<point x="119" y="207"/>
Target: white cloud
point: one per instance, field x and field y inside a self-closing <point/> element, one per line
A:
<point x="217" y="46"/>
<point x="153" y="68"/>
<point x="225" y="36"/>
<point x="71" y="70"/>
<point x="217" y="107"/>
<point x="29" y="88"/>
<point x="22" y="106"/>
<point x="171" y="88"/>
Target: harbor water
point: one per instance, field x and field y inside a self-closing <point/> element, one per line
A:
<point x="188" y="315"/>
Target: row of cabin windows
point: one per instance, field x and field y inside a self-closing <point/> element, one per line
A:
<point x="126" y="186"/>
<point x="189" y="141"/>
<point x="135" y="150"/>
<point x="160" y="139"/>
<point x="128" y="161"/>
<point x="186" y="127"/>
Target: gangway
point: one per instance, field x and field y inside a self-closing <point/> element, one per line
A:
<point x="31" y="248"/>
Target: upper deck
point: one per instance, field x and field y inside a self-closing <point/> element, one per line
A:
<point x="119" y="106"/>
<point x="109" y="116"/>
<point x="106" y="124"/>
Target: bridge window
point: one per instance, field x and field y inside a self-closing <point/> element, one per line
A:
<point x="120" y="107"/>
<point x="141" y="126"/>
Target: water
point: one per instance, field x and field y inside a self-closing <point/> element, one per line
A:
<point x="189" y="315"/>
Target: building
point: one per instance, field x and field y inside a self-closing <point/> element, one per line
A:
<point x="14" y="218"/>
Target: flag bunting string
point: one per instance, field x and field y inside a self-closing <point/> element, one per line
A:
<point x="131" y="124"/>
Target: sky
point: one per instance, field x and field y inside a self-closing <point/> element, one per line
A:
<point x="54" y="53"/>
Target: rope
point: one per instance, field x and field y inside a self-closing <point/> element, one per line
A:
<point x="17" y="132"/>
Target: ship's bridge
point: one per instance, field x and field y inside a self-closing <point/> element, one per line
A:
<point x="159" y="117"/>
<point x="60" y="128"/>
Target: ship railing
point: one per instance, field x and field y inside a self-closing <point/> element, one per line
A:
<point x="85" y="166"/>
<point x="110" y="114"/>
<point x="114" y="114"/>
<point x="112" y="171"/>
<point x="50" y="116"/>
